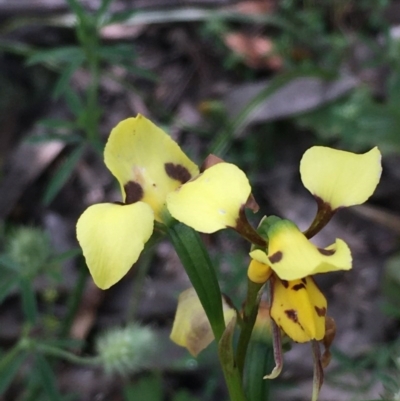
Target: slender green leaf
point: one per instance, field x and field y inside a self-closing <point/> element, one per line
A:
<point x="103" y="9"/>
<point x="197" y="263"/>
<point x="8" y="281"/>
<point x="78" y="10"/>
<point x="66" y="75"/>
<point x="117" y="52"/>
<point x="9" y="370"/>
<point x="62" y="175"/>
<point x="29" y="304"/>
<point x="74" y="103"/>
<point x="57" y="123"/>
<point x="47" y="378"/>
<point x="57" y="55"/>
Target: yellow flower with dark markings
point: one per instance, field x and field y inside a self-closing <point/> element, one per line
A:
<point x="297" y="306"/>
<point x="153" y="173"/>
<point x="292" y="256"/>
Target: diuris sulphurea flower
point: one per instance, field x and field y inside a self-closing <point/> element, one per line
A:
<point x="157" y="180"/>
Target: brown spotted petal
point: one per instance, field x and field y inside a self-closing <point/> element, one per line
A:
<point x="147" y="163"/>
<point x="299" y="309"/>
<point x="292" y="256"/>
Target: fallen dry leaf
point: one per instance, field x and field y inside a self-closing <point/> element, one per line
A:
<point x="256" y="51"/>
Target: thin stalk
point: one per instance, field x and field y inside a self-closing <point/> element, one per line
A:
<point x="250" y="311"/>
<point x="65" y="355"/>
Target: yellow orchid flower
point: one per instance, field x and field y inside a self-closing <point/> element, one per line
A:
<point x="340" y="178"/>
<point x="150" y="167"/>
<point x="292" y="256"/>
<point x="298" y="307"/>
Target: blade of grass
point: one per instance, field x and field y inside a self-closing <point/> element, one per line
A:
<point x="62" y="175"/>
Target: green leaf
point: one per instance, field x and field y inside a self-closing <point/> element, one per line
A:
<point x="66" y="75"/>
<point x="197" y="263"/>
<point x="117" y="52"/>
<point x="47" y="378"/>
<point x="8" y="281"/>
<point x="56" y="123"/>
<point x="79" y="11"/>
<point x="56" y="56"/>
<point x="74" y="103"/>
<point x="62" y="175"/>
<point x="147" y="388"/>
<point x="103" y="9"/>
<point x="29" y="304"/>
<point x="9" y="369"/>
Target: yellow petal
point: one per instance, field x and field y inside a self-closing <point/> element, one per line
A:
<point x="191" y="328"/>
<point x="340" y="178"/>
<point x="258" y="272"/>
<point x="112" y="238"/>
<point x="299" y="309"/>
<point x="213" y="200"/>
<point x="292" y="256"/>
<point x="147" y="163"/>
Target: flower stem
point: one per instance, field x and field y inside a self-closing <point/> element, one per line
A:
<point x="322" y="218"/>
<point x="250" y="311"/>
<point x="68" y="356"/>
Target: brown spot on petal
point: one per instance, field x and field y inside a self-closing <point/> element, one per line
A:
<point x="292" y="315"/>
<point x="134" y="192"/>
<point x="298" y="287"/>
<point x="285" y="283"/>
<point x="276" y="257"/>
<point x="326" y="252"/>
<point x="177" y="172"/>
<point x="320" y="311"/>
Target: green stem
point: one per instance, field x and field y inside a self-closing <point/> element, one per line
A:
<point x="250" y="311"/>
<point x="68" y="356"/>
<point x="260" y="353"/>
